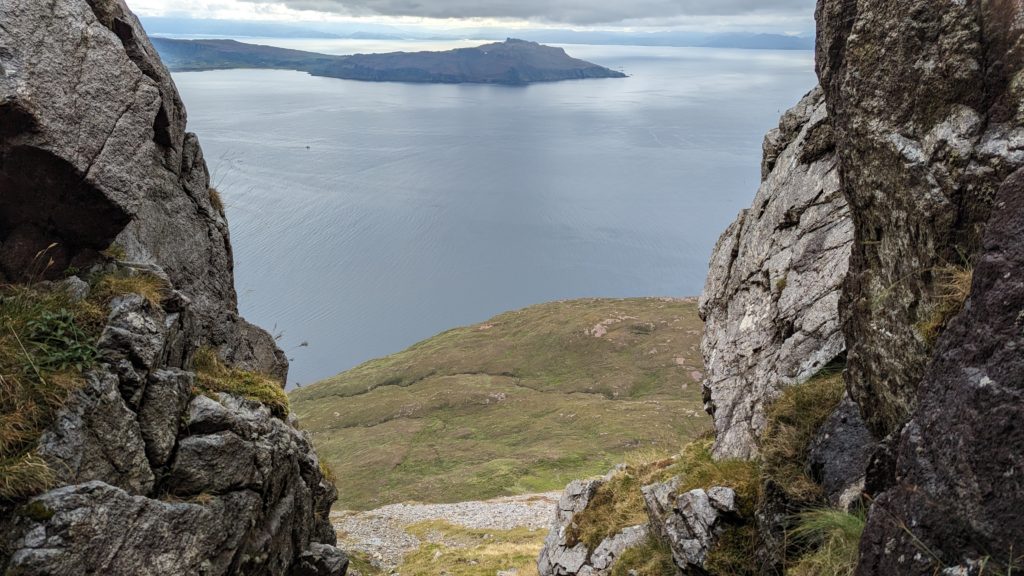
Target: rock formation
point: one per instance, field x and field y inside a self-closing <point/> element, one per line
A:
<point x="771" y="299"/>
<point x="959" y="496"/>
<point x="92" y="134"/>
<point x="559" y="557"/>
<point x="926" y="100"/>
<point x="152" y="478"/>
<point x="690" y="522"/>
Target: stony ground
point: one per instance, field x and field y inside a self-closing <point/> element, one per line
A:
<point x="381" y="536"/>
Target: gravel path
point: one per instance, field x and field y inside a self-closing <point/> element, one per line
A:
<point x="381" y="535"/>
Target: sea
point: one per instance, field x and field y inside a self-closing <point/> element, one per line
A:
<point x="366" y="217"/>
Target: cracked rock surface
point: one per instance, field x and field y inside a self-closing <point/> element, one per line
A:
<point x="770" y="303"/>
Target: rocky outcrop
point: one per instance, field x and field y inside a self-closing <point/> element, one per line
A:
<point x="689" y="522"/>
<point x="771" y="299"/>
<point x="94" y="152"/>
<point x="153" y="478"/>
<point x="838" y="455"/>
<point x="927" y="101"/>
<point x="958" y="494"/>
<point x="560" y="557"/>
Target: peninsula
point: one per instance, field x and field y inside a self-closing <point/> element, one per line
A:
<point x="512" y="62"/>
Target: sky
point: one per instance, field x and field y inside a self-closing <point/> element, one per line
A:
<point x="780" y="16"/>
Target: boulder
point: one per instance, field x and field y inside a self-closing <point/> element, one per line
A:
<point x="690" y="522"/>
<point x="958" y="494"/>
<point x="166" y="396"/>
<point x="770" y="304"/>
<point x="926" y="103"/>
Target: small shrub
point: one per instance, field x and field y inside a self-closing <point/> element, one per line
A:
<point x="953" y="287"/>
<point x="60" y="343"/>
<point x="833" y="537"/>
<point x="213" y="376"/>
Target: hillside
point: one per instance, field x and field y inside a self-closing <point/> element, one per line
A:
<point x="514" y="62"/>
<point x="521" y="403"/>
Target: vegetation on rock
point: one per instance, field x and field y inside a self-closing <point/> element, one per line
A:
<point x="46" y="341"/>
<point x="213" y="376"/>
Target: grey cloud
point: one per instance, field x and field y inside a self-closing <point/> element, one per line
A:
<point x="560" y="11"/>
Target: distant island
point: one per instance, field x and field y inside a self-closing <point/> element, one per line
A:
<point x="512" y="62"/>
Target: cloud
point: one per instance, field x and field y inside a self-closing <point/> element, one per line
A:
<point x="578" y="12"/>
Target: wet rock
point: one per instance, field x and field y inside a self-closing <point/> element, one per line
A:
<point x="770" y="303"/>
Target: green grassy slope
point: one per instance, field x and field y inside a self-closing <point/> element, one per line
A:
<point x="525" y="402"/>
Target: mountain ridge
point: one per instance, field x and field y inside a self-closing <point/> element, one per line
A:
<point x="512" y="62"/>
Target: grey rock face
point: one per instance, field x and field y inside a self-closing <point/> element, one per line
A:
<point x="321" y="560"/>
<point x="96" y="437"/>
<point x="94" y="528"/>
<point x="93" y="150"/>
<point x="689" y="522"/>
<point x="839" y="455"/>
<point x="926" y="102"/>
<point x="770" y="304"/>
<point x="166" y="396"/>
<point x="558" y="558"/>
<point x="958" y="490"/>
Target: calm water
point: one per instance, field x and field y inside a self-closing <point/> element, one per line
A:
<point x="366" y="217"/>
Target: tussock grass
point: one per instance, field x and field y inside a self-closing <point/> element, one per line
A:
<point x="834" y="538"/>
<point x="793" y="420"/>
<point x="150" y="287"/>
<point x="216" y="200"/>
<point x="43" y="351"/>
<point x="213" y="376"/>
<point x="953" y="287"/>
<point x="654" y="558"/>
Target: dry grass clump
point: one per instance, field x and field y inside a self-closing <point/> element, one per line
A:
<point x="43" y="351"/>
<point x="153" y="288"/>
<point x="834" y="537"/>
<point x="793" y="420"/>
<point x="213" y="376"/>
<point x="653" y="558"/>
<point x="953" y="287"/>
<point x="617" y="504"/>
<point x="216" y="200"/>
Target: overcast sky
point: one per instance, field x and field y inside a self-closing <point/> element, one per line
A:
<point x="793" y="16"/>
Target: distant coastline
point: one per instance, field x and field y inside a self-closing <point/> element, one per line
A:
<point x="512" y="62"/>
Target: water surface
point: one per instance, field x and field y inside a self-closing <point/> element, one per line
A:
<point x="368" y="216"/>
